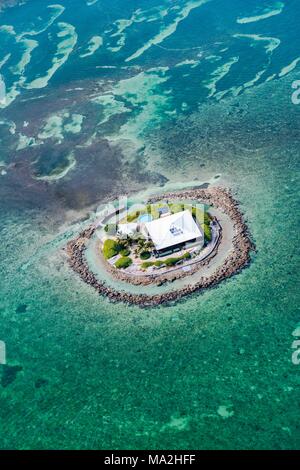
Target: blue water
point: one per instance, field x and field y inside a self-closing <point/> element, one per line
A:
<point x="205" y="39"/>
<point x="145" y="218"/>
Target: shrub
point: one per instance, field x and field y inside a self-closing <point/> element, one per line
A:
<point x="145" y="255"/>
<point x="199" y="215"/>
<point x="152" y="209"/>
<point x="110" y="248"/>
<point x="133" y="217"/>
<point x="148" y="245"/>
<point x="125" y="252"/>
<point x="203" y="219"/>
<point x="168" y="262"/>
<point x="146" y="264"/>
<point x="123" y="263"/>
<point x="171" y="261"/>
<point x="158" y="263"/>
<point x="207" y="232"/>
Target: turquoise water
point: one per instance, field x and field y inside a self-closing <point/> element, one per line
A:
<point x="116" y="97"/>
<point x="145" y="218"/>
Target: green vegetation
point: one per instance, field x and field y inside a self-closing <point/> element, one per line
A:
<point x="149" y="245"/>
<point x="123" y="263"/>
<point x="148" y="264"/>
<point x="207" y="232"/>
<point x="141" y="242"/>
<point x="149" y="209"/>
<point x="111" y="248"/>
<point x="168" y="262"/>
<point x="174" y="261"/>
<point x="203" y="219"/>
<point x="176" y="207"/>
<point x="142" y="247"/>
<point x="154" y="212"/>
<point x="114" y="247"/>
<point x="133" y="217"/>
<point x="158" y="263"/>
<point x="125" y="252"/>
<point x="145" y="255"/>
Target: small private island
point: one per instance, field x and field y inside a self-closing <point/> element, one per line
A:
<point x="178" y="243"/>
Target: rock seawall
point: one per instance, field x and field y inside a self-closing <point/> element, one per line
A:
<point x="237" y="258"/>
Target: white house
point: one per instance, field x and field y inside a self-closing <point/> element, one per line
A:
<point x="172" y="231"/>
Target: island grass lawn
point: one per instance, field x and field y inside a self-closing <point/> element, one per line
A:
<point x="111" y="248"/>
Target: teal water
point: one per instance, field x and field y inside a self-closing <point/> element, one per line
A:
<point x="145" y="218"/>
<point x="173" y="92"/>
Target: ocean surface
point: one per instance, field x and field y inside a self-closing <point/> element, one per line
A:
<point x="100" y="98"/>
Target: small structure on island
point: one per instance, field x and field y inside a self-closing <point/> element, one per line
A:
<point x="127" y="230"/>
<point x="173" y="232"/>
<point x="226" y="252"/>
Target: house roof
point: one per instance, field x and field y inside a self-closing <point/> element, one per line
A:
<point x="173" y="229"/>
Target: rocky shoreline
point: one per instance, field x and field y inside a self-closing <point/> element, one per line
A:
<point x="237" y="258"/>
